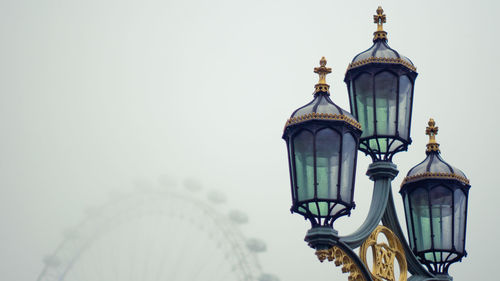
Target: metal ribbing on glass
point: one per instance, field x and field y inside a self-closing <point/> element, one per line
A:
<point x="431" y="224"/>
<point x="339" y="177"/>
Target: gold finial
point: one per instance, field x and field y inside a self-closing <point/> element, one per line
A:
<point x="322" y="72"/>
<point x="379" y="19"/>
<point x="432" y="131"/>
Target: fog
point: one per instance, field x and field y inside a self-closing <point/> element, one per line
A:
<point x="99" y="98"/>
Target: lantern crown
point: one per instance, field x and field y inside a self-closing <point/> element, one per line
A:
<point x="322" y="107"/>
<point x="434" y="166"/>
<point x="380" y="52"/>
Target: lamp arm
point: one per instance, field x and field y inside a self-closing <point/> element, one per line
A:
<point x="382" y="173"/>
<point x="378" y="204"/>
<point x="391" y="221"/>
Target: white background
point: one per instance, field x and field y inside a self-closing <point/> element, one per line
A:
<point x="95" y="94"/>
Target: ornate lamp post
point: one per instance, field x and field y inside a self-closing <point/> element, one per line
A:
<point x="322" y="139"/>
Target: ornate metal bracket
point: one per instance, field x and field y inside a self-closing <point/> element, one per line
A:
<point x="384" y="255"/>
<point x="381" y="210"/>
<point x="345" y="257"/>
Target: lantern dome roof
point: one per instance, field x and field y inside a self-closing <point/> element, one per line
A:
<point x="380" y="52"/>
<point x="321" y="107"/>
<point x="434" y="166"/>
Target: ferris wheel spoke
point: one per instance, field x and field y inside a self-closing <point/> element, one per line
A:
<point x="158" y="245"/>
<point x="180" y="256"/>
<point x="217" y="270"/>
<point x="176" y="247"/>
<point x="148" y="238"/>
<point x="164" y="257"/>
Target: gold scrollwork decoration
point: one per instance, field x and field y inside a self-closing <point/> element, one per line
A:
<point x="384" y="255"/>
<point x="341" y="258"/>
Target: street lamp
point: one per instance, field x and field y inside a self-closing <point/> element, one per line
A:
<point x="380" y="84"/>
<point x="435" y="198"/>
<point x="321" y="141"/>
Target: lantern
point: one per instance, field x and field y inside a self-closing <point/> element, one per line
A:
<point x="322" y="141"/>
<point x="380" y="82"/>
<point x="435" y="199"/>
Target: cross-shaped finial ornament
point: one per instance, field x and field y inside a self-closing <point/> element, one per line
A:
<point x="322" y="71"/>
<point x="432" y="131"/>
<point x="379" y="19"/>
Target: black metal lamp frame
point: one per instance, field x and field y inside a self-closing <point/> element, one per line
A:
<point x="314" y="126"/>
<point x="441" y="265"/>
<point x="373" y="69"/>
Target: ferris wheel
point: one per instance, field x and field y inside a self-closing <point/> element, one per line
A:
<point x="158" y="234"/>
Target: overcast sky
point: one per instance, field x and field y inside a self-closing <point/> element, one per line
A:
<point x="96" y="94"/>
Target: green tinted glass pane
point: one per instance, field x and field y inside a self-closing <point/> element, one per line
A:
<point x="363" y="146"/>
<point x="459" y="218"/>
<point x="421" y="218"/>
<point x="304" y="165"/>
<point x="405" y="88"/>
<point x="322" y="211"/>
<point x="363" y="86"/>
<point x="385" y="103"/>
<point x="327" y="163"/>
<point x="351" y="98"/>
<point x="373" y="144"/>
<point x="347" y="169"/>
<point x="382" y="143"/>
<point x="408" y="221"/>
<point x="433" y="257"/>
<point x="292" y="171"/>
<point x="441" y="202"/>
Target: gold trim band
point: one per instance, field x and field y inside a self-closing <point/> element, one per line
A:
<point x="381" y="60"/>
<point x="322" y="116"/>
<point x="435" y="176"/>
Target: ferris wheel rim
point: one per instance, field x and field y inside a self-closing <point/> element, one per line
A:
<point x="248" y="263"/>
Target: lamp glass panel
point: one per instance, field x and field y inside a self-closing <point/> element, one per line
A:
<point x="363" y="86"/>
<point x="318" y="208"/>
<point x="421" y="218"/>
<point x="459" y="218"/>
<point x="351" y="98"/>
<point x="385" y="104"/>
<point x="349" y="149"/>
<point x="408" y="220"/>
<point x="405" y="92"/>
<point x="304" y="164"/>
<point x="442" y="219"/>
<point x="292" y="170"/>
<point x="327" y="163"/>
